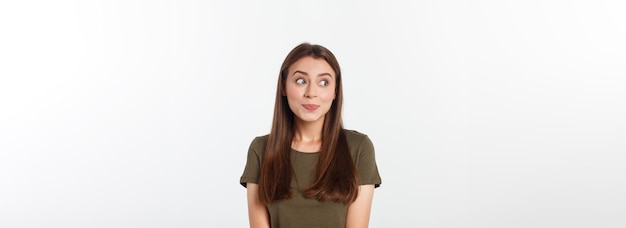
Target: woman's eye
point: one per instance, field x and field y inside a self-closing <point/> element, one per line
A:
<point x="300" y="81"/>
<point x="323" y="83"/>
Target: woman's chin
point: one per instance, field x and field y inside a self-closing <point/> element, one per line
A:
<point x="309" y="118"/>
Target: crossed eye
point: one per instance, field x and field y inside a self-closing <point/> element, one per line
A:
<point x="301" y="81"/>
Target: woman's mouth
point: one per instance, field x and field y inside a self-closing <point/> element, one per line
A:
<point x="310" y="107"/>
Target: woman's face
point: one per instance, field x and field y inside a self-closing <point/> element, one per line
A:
<point x="310" y="88"/>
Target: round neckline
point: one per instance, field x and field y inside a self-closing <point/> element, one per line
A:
<point x="317" y="152"/>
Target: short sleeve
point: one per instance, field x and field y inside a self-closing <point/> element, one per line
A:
<point x="366" y="163"/>
<point x="253" y="163"/>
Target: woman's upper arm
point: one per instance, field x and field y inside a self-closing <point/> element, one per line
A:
<point x="257" y="212"/>
<point x="359" y="211"/>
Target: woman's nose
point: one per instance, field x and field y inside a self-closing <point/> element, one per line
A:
<point x="310" y="91"/>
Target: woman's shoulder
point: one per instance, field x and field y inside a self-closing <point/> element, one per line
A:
<point x="261" y="138"/>
<point x="354" y="137"/>
<point x="258" y="143"/>
<point x="359" y="144"/>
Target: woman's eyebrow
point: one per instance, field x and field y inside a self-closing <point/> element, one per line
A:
<point x="325" y="74"/>
<point x="319" y="75"/>
<point x="302" y="72"/>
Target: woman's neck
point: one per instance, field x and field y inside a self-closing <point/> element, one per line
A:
<point x="308" y="131"/>
<point x="308" y="136"/>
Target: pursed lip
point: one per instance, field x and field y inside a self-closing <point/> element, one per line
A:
<point x="310" y="107"/>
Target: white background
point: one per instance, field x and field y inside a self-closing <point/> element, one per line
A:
<point x="483" y="113"/>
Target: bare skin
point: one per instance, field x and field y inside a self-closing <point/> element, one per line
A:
<point x="257" y="212"/>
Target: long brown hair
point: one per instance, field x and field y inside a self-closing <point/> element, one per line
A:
<point x="335" y="175"/>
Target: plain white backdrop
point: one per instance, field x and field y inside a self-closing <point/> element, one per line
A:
<point x="483" y="113"/>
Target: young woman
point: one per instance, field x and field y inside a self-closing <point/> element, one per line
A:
<point x="309" y="171"/>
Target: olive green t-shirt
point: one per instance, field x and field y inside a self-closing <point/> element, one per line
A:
<point x="302" y="212"/>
